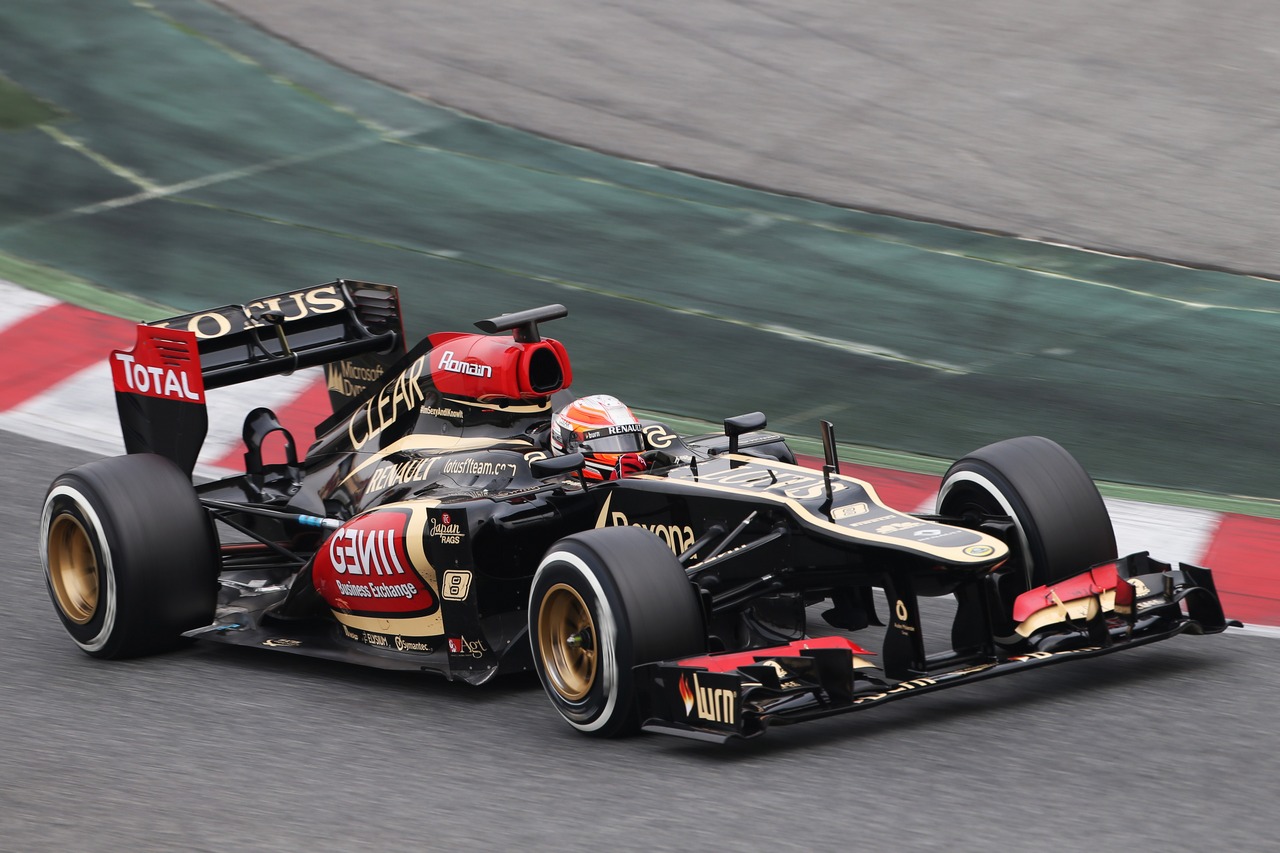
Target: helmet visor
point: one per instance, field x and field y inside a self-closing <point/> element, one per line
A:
<point x="620" y="438"/>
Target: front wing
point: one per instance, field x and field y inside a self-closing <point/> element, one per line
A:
<point x="719" y="697"/>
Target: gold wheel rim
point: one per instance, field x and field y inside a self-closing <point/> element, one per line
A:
<point x="73" y="569"/>
<point x="567" y="642"/>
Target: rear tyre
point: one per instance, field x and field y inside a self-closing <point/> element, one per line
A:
<point x="1061" y="524"/>
<point x="130" y="559"/>
<point x="604" y="601"/>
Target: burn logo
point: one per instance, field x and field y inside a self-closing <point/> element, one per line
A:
<point x="707" y="702"/>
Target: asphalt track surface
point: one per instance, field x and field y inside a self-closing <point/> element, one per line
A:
<point x="1170" y="747"/>
<point x="1141" y="128"/>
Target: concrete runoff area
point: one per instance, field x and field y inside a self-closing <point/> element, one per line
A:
<point x="1138" y="128"/>
<point x="201" y="162"/>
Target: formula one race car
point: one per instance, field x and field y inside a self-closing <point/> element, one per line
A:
<point x="431" y="527"/>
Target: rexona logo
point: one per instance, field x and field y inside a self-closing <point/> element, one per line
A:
<point x="678" y="537"/>
<point x="449" y="364"/>
<point x="709" y="703"/>
<point x="364" y="569"/>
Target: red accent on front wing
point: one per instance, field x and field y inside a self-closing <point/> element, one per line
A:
<point x="728" y="661"/>
<point x="1097" y="580"/>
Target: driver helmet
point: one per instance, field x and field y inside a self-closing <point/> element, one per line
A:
<point x="603" y="430"/>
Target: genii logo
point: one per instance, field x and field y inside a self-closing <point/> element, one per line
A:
<point x="364" y="569"/>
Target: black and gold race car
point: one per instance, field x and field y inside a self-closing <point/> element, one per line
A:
<point x="429" y="527"/>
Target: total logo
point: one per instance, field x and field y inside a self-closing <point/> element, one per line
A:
<point x="153" y="380"/>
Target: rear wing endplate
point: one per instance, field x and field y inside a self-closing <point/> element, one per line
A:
<point x="160" y="384"/>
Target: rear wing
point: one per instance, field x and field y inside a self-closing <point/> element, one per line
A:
<point x="355" y="328"/>
<point x="289" y="331"/>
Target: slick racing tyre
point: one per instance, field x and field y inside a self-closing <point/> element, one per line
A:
<point x="604" y="601"/>
<point x="1061" y="525"/>
<point x="129" y="555"/>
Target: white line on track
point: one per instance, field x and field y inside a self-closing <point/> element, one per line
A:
<point x="151" y="192"/>
<point x="868" y="350"/>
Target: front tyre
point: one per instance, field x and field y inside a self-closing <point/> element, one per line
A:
<point x="129" y="555"/>
<point x="604" y="601"/>
<point x="1061" y="526"/>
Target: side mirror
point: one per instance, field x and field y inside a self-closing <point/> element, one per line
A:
<point x="734" y="427"/>
<point x="557" y="466"/>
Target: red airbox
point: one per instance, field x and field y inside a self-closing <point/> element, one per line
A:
<point x="492" y="368"/>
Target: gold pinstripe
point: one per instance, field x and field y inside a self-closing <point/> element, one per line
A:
<point x="951" y="555"/>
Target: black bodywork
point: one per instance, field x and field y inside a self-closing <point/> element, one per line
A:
<point x="419" y="475"/>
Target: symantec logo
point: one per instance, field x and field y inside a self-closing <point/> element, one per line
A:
<point x="164" y="363"/>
